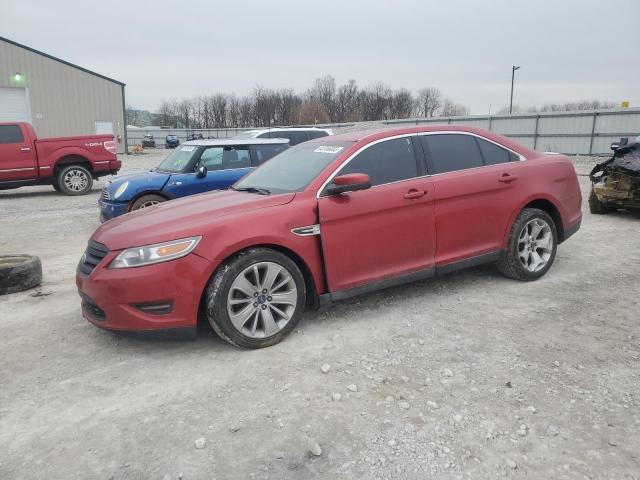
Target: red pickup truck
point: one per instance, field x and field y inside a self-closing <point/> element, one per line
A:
<point x="68" y="163"/>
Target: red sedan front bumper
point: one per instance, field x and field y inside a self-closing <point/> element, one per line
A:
<point x="155" y="297"/>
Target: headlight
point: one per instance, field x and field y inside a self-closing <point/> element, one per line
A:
<point x="157" y="253"/>
<point x="121" y="190"/>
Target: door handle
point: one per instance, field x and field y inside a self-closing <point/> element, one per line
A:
<point x="25" y="149"/>
<point x="506" y="178"/>
<point x="413" y="194"/>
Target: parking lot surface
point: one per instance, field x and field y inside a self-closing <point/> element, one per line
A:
<point x="470" y="375"/>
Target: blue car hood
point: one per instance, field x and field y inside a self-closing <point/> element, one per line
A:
<point x="138" y="182"/>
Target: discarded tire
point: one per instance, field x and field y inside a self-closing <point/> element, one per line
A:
<point x="19" y="272"/>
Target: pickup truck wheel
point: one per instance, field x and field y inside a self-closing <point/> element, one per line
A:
<point x="56" y="185"/>
<point x="531" y="248"/>
<point x="19" y="272"/>
<point x="256" y="298"/>
<point x="75" y="180"/>
<point x="147" y="201"/>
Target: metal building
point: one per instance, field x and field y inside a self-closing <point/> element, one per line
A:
<point x="58" y="97"/>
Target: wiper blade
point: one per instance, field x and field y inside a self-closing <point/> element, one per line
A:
<point x="261" y="191"/>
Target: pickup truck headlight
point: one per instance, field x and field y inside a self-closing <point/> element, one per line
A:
<point x="120" y="190"/>
<point x="157" y="253"/>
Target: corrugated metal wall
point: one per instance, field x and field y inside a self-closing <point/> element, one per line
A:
<point x="573" y="133"/>
<point x="583" y="133"/>
<point x="63" y="100"/>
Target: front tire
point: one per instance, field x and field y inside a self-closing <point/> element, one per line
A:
<point x="147" y="201"/>
<point x="532" y="245"/>
<point x="256" y="298"/>
<point x="74" y="180"/>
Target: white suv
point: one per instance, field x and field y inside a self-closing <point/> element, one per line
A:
<point x="294" y="135"/>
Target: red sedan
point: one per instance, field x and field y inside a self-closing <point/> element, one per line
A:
<point x="327" y="220"/>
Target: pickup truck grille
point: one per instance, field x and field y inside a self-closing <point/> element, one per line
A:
<point x="105" y="194"/>
<point x="93" y="255"/>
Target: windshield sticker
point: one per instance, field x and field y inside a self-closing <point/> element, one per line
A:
<point x="328" y="149"/>
<point x="187" y="149"/>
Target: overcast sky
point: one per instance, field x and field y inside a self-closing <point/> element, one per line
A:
<point x="568" y="49"/>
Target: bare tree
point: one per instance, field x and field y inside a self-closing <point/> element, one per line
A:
<point x="322" y="103"/>
<point x="374" y="102"/>
<point x="286" y="105"/>
<point x="185" y="113"/>
<point x="311" y="113"/>
<point x="219" y="110"/>
<point x="347" y="102"/>
<point x="451" y="109"/>
<point x="324" y="93"/>
<point x="246" y="112"/>
<point x="401" y="104"/>
<point x="428" y="101"/>
<point x="233" y="111"/>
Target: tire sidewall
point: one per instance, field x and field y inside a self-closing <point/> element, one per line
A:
<point x="218" y="291"/>
<point x="528" y="215"/>
<point x="65" y="171"/>
<point x="22" y="276"/>
<point x="146" y="197"/>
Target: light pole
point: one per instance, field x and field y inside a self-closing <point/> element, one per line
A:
<point x="513" y="74"/>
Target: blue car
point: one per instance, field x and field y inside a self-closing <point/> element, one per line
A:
<point x="193" y="167"/>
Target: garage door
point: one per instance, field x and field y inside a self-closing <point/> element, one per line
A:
<point x="14" y="105"/>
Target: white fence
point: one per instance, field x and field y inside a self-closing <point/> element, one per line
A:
<point x="573" y="133"/>
<point x="134" y="136"/>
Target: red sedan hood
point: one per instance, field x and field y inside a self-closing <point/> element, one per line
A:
<point x="181" y="218"/>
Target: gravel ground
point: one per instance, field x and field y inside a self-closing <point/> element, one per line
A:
<point x="470" y="375"/>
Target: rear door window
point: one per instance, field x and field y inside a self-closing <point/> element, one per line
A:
<point x="385" y="162"/>
<point x="451" y="152"/>
<point x="494" y="154"/>
<point x="10" y="134"/>
<point x="225" y="158"/>
<point x="236" y="157"/>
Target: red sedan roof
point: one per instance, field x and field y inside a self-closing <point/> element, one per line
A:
<point x="367" y="136"/>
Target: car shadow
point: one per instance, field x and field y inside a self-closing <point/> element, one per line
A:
<point x="428" y="290"/>
<point x="52" y="193"/>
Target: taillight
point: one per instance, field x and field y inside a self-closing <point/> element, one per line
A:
<point x="110" y="146"/>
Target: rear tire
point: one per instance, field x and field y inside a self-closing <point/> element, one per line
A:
<point x="596" y="206"/>
<point x="147" y="201"/>
<point x="74" y="180"/>
<point x="56" y="185"/>
<point x="532" y="245"/>
<point x="256" y="298"/>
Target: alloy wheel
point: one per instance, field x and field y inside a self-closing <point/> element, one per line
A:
<point x="262" y="299"/>
<point x="535" y="245"/>
<point x="76" y="180"/>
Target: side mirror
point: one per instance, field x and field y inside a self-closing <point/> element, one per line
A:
<point x="349" y="183"/>
<point x="201" y="172"/>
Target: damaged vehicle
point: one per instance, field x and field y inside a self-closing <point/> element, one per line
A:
<point x="615" y="183"/>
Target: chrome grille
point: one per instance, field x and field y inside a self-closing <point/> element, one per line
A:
<point x="105" y="194"/>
